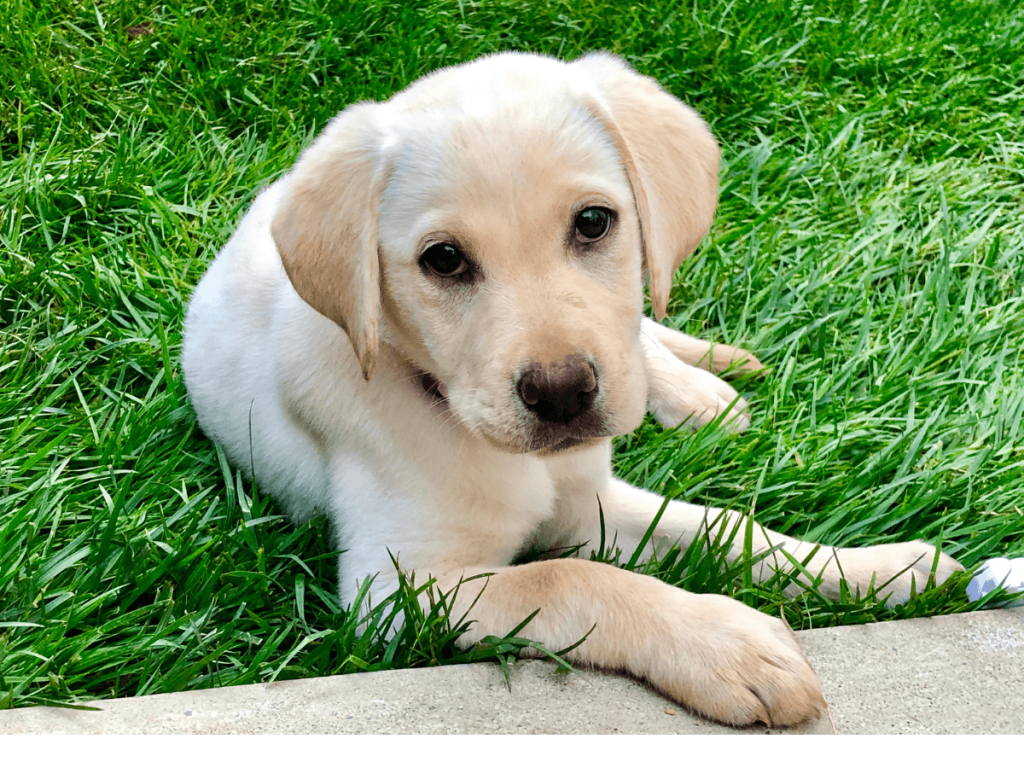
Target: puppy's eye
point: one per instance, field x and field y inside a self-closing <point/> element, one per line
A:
<point x="592" y="224"/>
<point x="444" y="260"/>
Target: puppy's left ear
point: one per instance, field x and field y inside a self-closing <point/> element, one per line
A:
<point x="326" y="225"/>
<point x="671" y="159"/>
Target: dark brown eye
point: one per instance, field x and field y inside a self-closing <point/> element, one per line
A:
<point x="444" y="260"/>
<point x="592" y="224"/>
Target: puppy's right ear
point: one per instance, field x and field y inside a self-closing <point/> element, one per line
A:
<point x="325" y="227"/>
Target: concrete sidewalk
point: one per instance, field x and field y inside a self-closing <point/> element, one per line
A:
<point x="952" y="674"/>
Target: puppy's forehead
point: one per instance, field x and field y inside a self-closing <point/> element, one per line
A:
<point x="480" y="84"/>
<point x="499" y="151"/>
<point x="500" y="138"/>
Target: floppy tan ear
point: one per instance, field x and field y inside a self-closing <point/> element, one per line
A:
<point x="671" y="159"/>
<point x="325" y="227"/>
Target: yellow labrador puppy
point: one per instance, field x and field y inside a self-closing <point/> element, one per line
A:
<point x="431" y="329"/>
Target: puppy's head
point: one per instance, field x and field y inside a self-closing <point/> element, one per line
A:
<point x="493" y="223"/>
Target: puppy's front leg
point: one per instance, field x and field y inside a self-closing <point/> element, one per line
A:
<point x="708" y="652"/>
<point x="895" y="569"/>
<point x="714" y="358"/>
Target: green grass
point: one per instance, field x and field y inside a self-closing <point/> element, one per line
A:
<point x="869" y="247"/>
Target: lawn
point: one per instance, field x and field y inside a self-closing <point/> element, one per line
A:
<point x="869" y="247"/>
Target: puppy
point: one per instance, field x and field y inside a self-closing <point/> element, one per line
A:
<point x="431" y="329"/>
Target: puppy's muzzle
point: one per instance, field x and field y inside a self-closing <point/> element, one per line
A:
<point x="559" y="393"/>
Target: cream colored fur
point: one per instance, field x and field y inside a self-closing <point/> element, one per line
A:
<point x="322" y="352"/>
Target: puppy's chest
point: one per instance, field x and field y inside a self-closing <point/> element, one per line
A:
<point x="492" y="511"/>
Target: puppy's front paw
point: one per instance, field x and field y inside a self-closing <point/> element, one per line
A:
<point x="896" y="569"/>
<point x="744" y="667"/>
<point x="678" y="393"/>
<point x="698" y="412"/>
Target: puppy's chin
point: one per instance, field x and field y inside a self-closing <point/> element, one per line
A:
<point x="567" y="445"/>
<point x="570" y="445"/>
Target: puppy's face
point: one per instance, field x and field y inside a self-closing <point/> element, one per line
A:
<point x="510" y="261"/>
<point x="490" y="223"/>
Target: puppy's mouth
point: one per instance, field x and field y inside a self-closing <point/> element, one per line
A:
<point x="549" y="437"/>
<point x="567" y="445"/>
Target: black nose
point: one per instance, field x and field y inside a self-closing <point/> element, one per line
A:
<point x="559" y="392"/>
